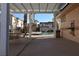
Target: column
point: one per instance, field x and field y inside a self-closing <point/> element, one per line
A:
<point x="30" y="24"/>
<point x="4" y="38"/>
<point x="55" y="24"/>
<point x="25" y="24"/>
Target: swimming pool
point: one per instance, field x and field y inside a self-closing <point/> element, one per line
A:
<point x="46" y="33"/>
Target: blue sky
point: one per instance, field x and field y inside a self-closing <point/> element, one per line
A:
<point x="44" y="17"/>
<point x="41" y="17"/>
<point x="19" y="15"/>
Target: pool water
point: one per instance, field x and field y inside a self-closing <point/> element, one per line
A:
<point x="46" y="33"/>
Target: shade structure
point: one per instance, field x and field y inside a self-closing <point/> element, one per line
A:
<point x="36" y="7"/>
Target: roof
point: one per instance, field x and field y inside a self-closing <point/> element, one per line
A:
<point x="35" y="7"/>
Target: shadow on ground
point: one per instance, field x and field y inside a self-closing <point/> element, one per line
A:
<point x="51" y="47"/>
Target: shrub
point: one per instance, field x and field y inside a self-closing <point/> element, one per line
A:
<point x="50" y="31"/>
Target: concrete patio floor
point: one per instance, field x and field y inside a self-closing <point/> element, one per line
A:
<point x="49" y="47"/>
<point x="16" y="45"/>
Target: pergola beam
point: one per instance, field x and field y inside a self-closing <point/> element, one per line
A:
<point x="35" y="12"/>
<point x="12" y="8"/>
<point x="31" y="7"/>
<point x="54" y="7"/>
<point x="17" y="7"/>
<point x="39" y="7"/>
<point x="46" y="7"/>
<point x="24" y="7"/>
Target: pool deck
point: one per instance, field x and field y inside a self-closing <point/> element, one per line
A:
<point x="16" y="45"/>
<point x="45" y="47"/>
<point x="51" y="47"/>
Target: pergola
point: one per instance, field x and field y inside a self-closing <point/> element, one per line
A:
<point x="35" y="7"/>
<point x="27" y="8"/>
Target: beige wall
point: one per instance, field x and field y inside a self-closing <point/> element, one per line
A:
<point x="14" y="22"/>
<point x="69" y="17"/>
<point x="20" y="23"/>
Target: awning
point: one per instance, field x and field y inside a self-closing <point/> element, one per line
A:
<point x="35" y="7"/>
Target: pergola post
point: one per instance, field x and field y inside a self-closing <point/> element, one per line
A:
<point x="25" y="24"/>
<point x="4" y="29"/>
<point x="55" y="24"/>
<point x="30" y="24"/>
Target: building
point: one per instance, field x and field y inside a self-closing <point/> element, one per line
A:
<point x="46" y="26"/>
<point x="15" y="23"/>
<point x="68" y="22"/>
<point x="34" y="27"/>
<point x="20" y="23"/>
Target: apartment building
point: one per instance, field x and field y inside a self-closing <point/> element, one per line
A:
<point x="15" y="23"/>
<point x="20" y="23"/>
<point x="46" y="26"/>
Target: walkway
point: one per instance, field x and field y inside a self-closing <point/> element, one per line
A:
<point x="51" y="47"/>
<point x="15" y="46"/>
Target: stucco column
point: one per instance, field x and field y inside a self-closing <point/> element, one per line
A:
<point x="55" y="24"/>
<point x="4" y="29"/>
<point x="30" y="24"/>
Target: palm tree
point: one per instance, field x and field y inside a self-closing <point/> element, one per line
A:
<point x="35" y="21"/>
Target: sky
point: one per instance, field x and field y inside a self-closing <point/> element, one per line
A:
<point x="44" y="17"/>
<point x="19" y="15"/>
<point x="41" y="17"/>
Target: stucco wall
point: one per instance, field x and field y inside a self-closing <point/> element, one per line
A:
<point x="73" y="15"/>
